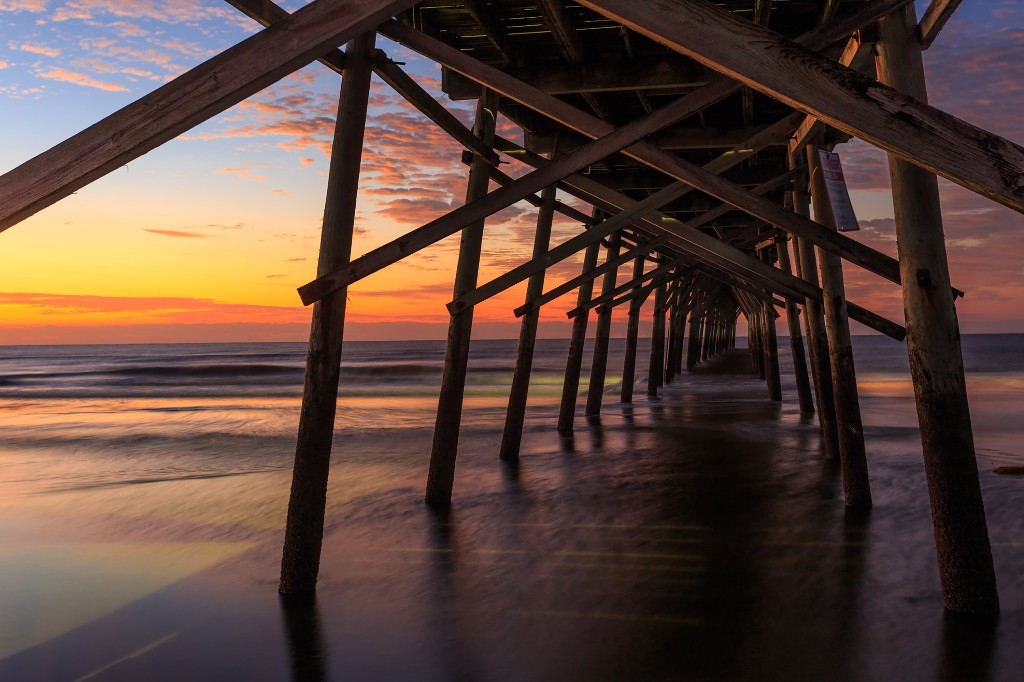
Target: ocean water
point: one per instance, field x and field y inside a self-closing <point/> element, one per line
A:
<point x="699" y="535"/>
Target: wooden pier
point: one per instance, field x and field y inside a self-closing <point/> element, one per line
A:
<point x="692" y="130"/>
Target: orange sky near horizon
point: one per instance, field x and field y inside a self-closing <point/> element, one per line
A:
<point x="207" y="237"/>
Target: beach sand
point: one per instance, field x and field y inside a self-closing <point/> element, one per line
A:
<point x="697" y="536"/>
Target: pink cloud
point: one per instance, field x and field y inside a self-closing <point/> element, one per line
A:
<point x="66" y="76"/>
<point x="23" y="5"/>
<point x="40" y="49"/>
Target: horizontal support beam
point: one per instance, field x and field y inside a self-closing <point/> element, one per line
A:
<point x="196" y="96"/>
<point x="502" y="197"/>
<point x="771" y="63"/>
<point x="564" y="288"/>
<point x="674" y="139"/>
<point x="686" y="238"/>
<point x="595" y="76"/>
<point x="656" y="201"/>
<point x="678" y="168"/>
<point x="603" y="298"/>
<point x="414" y="94"/>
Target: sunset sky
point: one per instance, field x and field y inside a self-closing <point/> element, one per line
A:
<point x="206" y="238"/>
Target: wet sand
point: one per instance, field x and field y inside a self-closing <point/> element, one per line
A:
<point x="698" y="536"/>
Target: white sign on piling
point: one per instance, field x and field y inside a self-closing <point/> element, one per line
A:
<point x="838" y="195"/>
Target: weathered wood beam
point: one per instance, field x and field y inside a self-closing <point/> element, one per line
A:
<point x="492" y="28"/>
<point x="634" y="211"/>
<point x="674" y="139"/>
<point x="596" y="75"/>
<point x="412" y="92"/>
<point x="188" y="100"/>
<point x="706" y="248"/>
<point x="857" y="54"/>
<point x="562" y="29"/>
<point x="267" y="12"/>
<point x="678" y="168"/>
<point x="503" y="178"/>
<point x="567" y="248"/>
<point x="636" y="297"/>
<point x="410" y="243"/>
<point x="935" y="17"/>
<point x="566" y="287"/>
<point x="912" y="130"/>
<point x="612" y="293"/>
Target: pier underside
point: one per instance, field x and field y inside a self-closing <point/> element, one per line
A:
<point x="688" y="136"/>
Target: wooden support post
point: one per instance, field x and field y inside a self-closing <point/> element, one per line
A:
<point x="817" y="337"/>
<point x="673" y="340"/>
<point x="632" y="334"/>
<point x="304" y="528"/>
<point x="654" y="373"/>
<point x="602" y="335"/>
<point x="755" y="327"/>
<point x="574" y="363"/>
<point x="677" y="354"/>
<point x="796" y="340"/>
<point x="515" y="417"/>
<point x="933" y="343"/>
<point x="441" y="475"/>
<point x="852" y="457"/>
<point x="705" y="332"/>
<point x="771" y="354"/>
<point x="693" y="349"/>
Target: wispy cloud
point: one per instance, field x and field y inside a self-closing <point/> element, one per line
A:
<point x="177" y="233"/>
<point x="81" y="308"/>
<point x="65" y="76"/>
<point x="23" y="5"/>
<point x="39" y="49"/>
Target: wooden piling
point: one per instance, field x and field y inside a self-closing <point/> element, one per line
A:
<point x="512" y="436"/>
<point x="574" y="363"/>
<point x="933" y="343"/>
<point x="602" y="335"/>
<point x="304" y="527"/>
<point x="850" y="430"/>
<point x="817" y="338"/>
<point x="441" y="474"/>
<point x="654" y="371"/>
<point x="673" y="340"/>
<point x="771" y="354"/>
<point x="796" y="341"/>
<point x="632" y="334"/>
<point x="693" y="347"/>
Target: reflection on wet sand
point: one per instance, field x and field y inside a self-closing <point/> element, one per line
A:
<point x="701" y="538"/>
